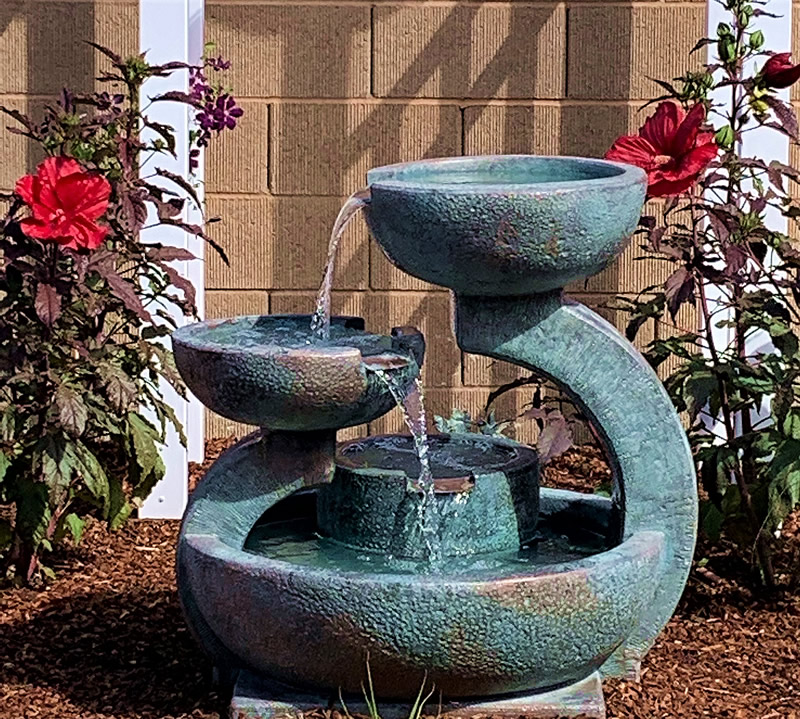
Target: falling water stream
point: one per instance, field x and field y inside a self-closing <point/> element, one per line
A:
<point x="321" y="320"/>
<point x="411" y="402"/>
<point x="410" y="399"/>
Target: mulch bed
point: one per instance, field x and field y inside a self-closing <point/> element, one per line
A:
<point x="107" y="640"/>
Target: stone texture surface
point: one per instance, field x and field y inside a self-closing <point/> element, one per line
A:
<point x="621" y="392"/>
<point x="536" y="629"/>
<point x="259" y="370"/>
<point x="254" y="698"/>
<point x="504" y="225"/>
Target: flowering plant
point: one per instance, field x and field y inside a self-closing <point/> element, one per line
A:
<point x="84" y="302"/>
<point x="737" y="374"/>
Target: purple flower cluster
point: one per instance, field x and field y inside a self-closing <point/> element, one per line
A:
<point x="218" y="110"/>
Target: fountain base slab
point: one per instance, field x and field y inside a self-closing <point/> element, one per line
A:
<point x="257" y="698"/>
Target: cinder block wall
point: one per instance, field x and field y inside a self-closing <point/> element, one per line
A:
<point x="331" y="89"/>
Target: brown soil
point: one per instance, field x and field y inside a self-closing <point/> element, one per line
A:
<point x="107" y="639"/>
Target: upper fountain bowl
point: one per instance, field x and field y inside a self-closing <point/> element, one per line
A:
<point x="268" y="371"/>
<point x="504" y="224"/>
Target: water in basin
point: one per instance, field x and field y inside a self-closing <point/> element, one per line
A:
<point x="288" y="533"/>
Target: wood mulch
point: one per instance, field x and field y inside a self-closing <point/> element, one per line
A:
<point x="107" y="639"/>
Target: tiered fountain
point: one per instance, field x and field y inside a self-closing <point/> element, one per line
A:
<point x="299" y="560"/>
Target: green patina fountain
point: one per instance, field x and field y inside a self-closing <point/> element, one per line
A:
<point x="298" y="559"/>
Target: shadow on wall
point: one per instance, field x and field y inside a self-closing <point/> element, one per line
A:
<point x="44" y="52"/>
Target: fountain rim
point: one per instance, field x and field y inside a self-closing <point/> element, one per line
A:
<point x="523" y="454"/>
<point x="186" y="337"/>
<point x="639" y="544"/>
<point x="626" y="175"/>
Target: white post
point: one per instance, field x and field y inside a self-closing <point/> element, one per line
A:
<point x="763" y="142"/>
<point x="172" y="30"/>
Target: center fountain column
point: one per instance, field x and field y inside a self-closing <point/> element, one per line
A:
<point x="653" y="472"/>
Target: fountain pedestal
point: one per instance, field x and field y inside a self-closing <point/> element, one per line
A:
<point x="258" y="698"/>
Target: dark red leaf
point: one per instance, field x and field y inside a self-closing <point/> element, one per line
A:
<point x="678" y="288"/>
<point x="110" y="54"/>
<point x="124" y="290"/>
<point x="47" y="304"/>
<point x="555" y="438"/>
<point x="169" y="254"/>
<point x="21" y="118"/>
<point x="177" y="96"/>
<point x="735" y="258"/>
<point x="785" y="114"/>
<point x="181" y="182"/>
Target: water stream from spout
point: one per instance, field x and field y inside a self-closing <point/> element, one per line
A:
<point x="411" y="402"/>
<point x="321" y="320"/>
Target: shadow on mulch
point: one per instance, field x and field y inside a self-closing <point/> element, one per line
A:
<point x="107" y="639"/>
<point x="123" y="653"/>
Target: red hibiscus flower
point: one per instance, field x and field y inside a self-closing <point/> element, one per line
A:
<point x="778" y="71"/>
<point x="670" y="148"/>
<point x="66" y="201"/>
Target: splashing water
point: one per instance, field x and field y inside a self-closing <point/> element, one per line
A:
<point x="321" y="321"/>
<point x="410" y="401"/>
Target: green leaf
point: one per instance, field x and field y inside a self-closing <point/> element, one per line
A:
<point x="711" y="520"/>
<point x="58" y="462"/>
<point x="33" y="512"/>
<point x="47" y="571"/>
<point x="791" y="423"/>
<point x="72" y="411"/>
<point x="696" y="391"/>
<point x="145" y="439"/>
<point x="92" y="472"/>
<point x="5" y="463"/>
<point x="75" y="525"/>
<point x="118" y="507"/>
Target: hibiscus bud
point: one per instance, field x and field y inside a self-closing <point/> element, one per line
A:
<point x="758" y="106"/>
<point x="724" y="137"/>
<point x="778" y="71"/>
<point x="757" y="40"/>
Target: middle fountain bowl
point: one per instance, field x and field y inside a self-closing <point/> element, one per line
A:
<point x="269" y="371"/>
<point x="504" y="224"/>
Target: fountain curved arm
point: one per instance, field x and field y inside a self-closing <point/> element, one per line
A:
<point x="654" y="477"/>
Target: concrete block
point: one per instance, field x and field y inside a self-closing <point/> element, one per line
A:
<point x="237" y="161"/>
<point x="326" y="149"/>
<point x="286" y="50"/>
<point x="614" y="50"/>
<point x="496" y="129"/>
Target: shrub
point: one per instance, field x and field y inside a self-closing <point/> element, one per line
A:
<point x="84" y="304"/>
<point x="741" y="396"/>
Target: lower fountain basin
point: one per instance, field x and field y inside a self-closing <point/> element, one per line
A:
<point x="504" y="224"/>
<point x="486" y="496"/>
<point x="273" y="597"/>
<point x="268" y="371"/>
